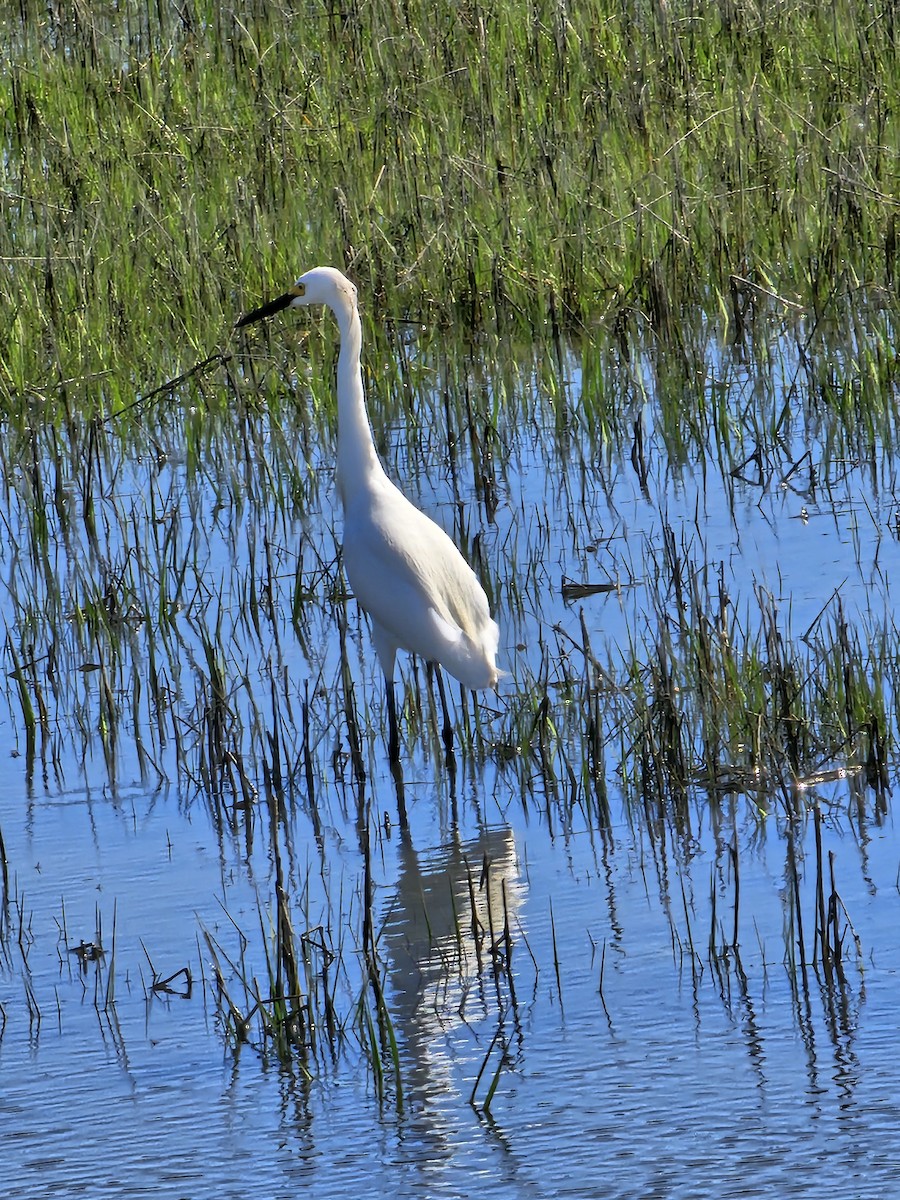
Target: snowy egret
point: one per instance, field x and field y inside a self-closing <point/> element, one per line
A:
<point x="420" y="593"/>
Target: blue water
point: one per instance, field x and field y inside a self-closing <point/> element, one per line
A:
<point x="633" y="1050"/>
<point x="642" y="1069"/>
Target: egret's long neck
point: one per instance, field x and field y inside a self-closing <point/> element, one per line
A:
<point x="357" y="460"/>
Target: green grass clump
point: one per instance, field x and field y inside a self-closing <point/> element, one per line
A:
<point x="164" y="164"/>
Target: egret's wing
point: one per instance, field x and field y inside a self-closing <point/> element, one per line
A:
<point x="412" y="580"/>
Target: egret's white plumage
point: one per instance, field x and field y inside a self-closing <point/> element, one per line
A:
<point x="420" y="593"/>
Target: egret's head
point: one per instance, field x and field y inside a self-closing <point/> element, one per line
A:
<point x="321" y="285"/>
<point x="324" y="285"/>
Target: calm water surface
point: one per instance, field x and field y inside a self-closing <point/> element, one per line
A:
<point x="635" y="1052"/>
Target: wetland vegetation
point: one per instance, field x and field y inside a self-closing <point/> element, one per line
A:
<point x="688" y="208"/>
<point x="629" y="280"/>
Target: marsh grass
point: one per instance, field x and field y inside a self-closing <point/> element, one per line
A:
<point x="658" y="241"/>
<point x="720" y="703"/>
<point x="635" y="164"/>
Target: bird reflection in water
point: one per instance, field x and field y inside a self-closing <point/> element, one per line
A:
<point x="447" y="940"/>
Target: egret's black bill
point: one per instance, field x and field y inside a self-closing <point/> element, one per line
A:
<point x="266" y="310"/>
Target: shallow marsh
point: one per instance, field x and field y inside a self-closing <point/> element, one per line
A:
<point x="630" y="335"/>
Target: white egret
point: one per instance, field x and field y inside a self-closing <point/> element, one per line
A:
<point x="406" y="573"/>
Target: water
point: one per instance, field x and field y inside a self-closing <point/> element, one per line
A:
<point x="633" y="1049"/>
<point x="680" y="1079"/>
